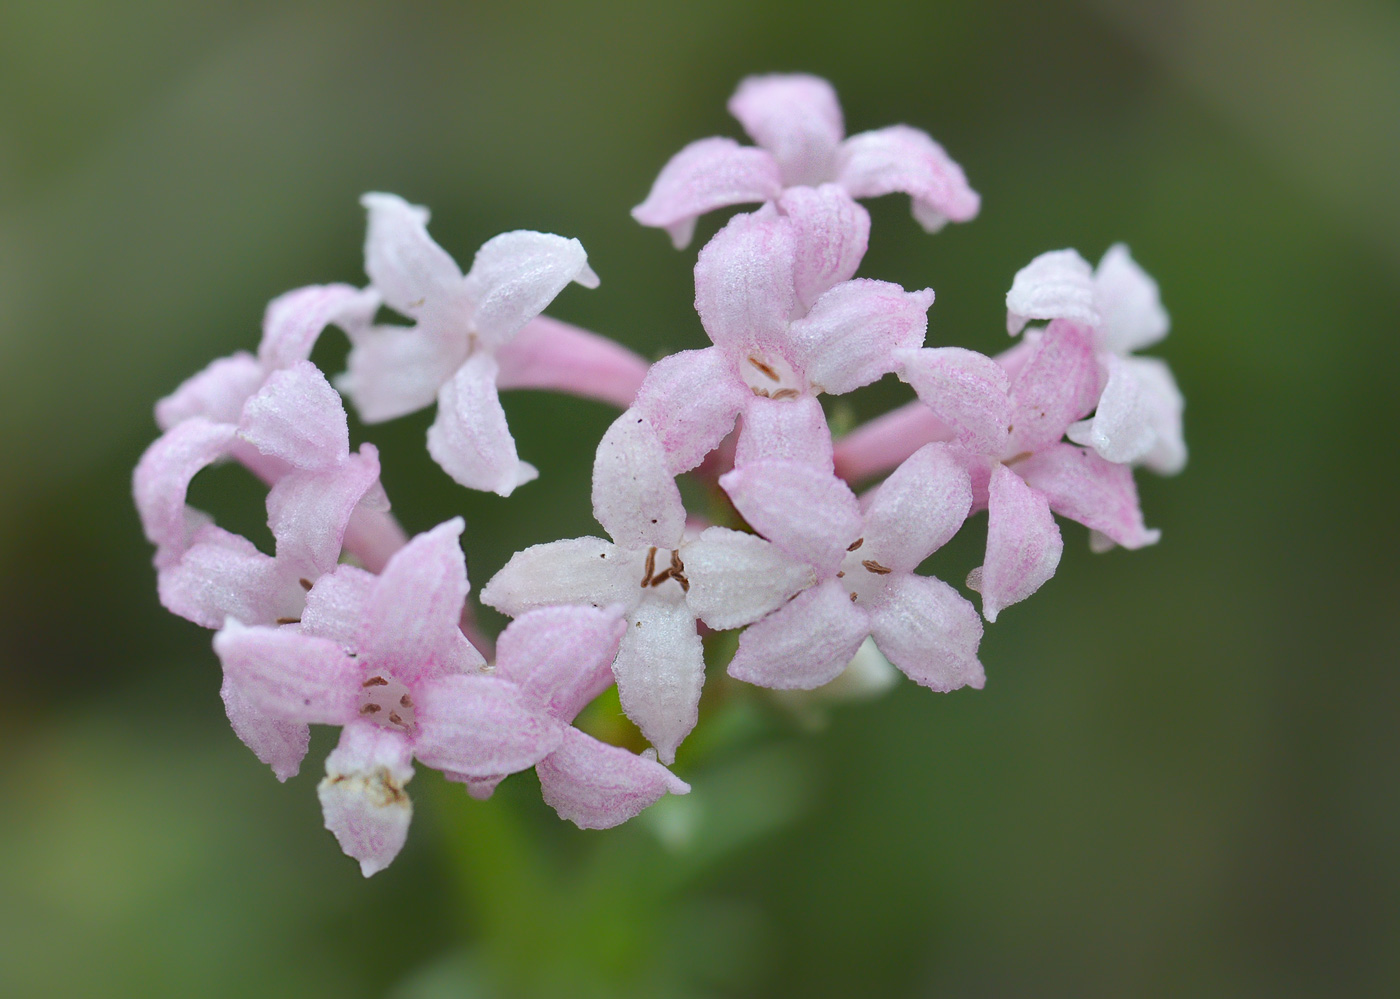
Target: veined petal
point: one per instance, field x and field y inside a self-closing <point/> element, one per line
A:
<point x="469" y="438"/>
<point x="634" y="493"/>
<point x="1120" y="430"/>
<point x="900" y="158"/>
<point x="831" y="233"/>
<point x="396" y="370"/>
<point x="516" y="274"/>
<point x="403" y="263"/>
<point x="162" y="478"/>
<point x="806" y="511"/>
<point x="548" y="354"/>
<point x="1023" y="543"/>
<point x="784" y="430"/>
<point x="223" y="575"/>
<point x="707" y="174"/>
<point x="1055" y="285"/>
<point x="690" y="400"/>
<point x="744" y="282"/>
<point x="290" y="676"/>
<point x="736" y="578"/>
<point x="1097" y="493"/>
<point x="804" y="644"/>
<point x="660" y="669"/>
<point x="1164" y="404"/>
<point x="308" y="511"/>
<point x="848" y="338"/>
<point x="297" y="417"/>
<point x="597" y="786"/>
<point x="1058" y="384"/>
<point x="967" y="391"/>
<point x="480" y="726"/>
<point x="280" y="744"/>
<point x="797" y="118"/>
<point x="1129" y="304"/>
<point x="930" y="632"/>
<point x="336" y="605"/>
<point x="918" y="508"/>
<point x="578" y="571"/>
<point x="362" y="795"/>
<point x="217" y="393"/>
<point x="561" y="657"/>
<point x="294" y="321"/>
<point x="412" y="614"/>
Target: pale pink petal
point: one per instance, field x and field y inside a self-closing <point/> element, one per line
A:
<point x="830" y="234"/>
<point x="412" y="614"/>
<point x="373" y="535"/>
<point x="308" y="511"/>
<point x="784" y="430"/>
<point x="223" y="575"/>
<point x="1055" y="285"/>
<point x="294" y="321"/>
<point x="395" y="370"/>
<point x="561" y="657"/>
<point x="690" y="400"/>
<point x="1164" y="405"/>
<point x="1130" y="306"/>
<point x="469" y="438"/>
<point x="1059" y="383"/>
<point x="804" y="510"/>
<point x="548" y="354"/>
<point x="517" y="274"/>
<point x="707" y="174"/>
<point x="297" y="417"/>
<point x="1121" y="429"/>
<point x="965" y="390"/>
<point x="917" y="509"/>
<point x="887" y="440"/>
<point x="578" y="571"/>
<point x="804" y="644"/>
<point x="1023" y="543"/>
<point x="597" y="786"/>
<point x="402" y="261"/>
<point x="795" y="117"/>
<point x="217" y="393"/>
<point x="280" y="744"/>
<point x="290" y="676"/>
<point x="634" y="494"/>
<point x="660" y="669"/>
<point x="744" y="282"/>
<point x="162" y="478"/>
<point x="480" y="726"/>
<point x="848" y="338"/>
<point x="904" y="159"/>
<point x="736" y="578"/>
<point x="930" y="632"/>
<point x="362" y="795"/>
<point x="1097" y="493"/>
<point x="335" y="607"/>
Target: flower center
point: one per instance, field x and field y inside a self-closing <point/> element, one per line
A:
<point x="771" y="376"/>
<point x="862" y="576"/>
<point x="386" y="702"/>
<point x="662" y="565"/>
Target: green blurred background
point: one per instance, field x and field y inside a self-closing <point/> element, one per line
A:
<point x="1181" y="777"/>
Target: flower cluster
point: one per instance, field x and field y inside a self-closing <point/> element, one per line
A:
<point x="349" y="622"/>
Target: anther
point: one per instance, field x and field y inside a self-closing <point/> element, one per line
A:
<point x="375" y="681"/>
<point x="872" y="566"/>
<point x="765" y="368"/>
<point x="650" y="567"/>
<point x="289" y="620"/>
<point x="787" y="393"/>
<point x="369" y="709"/>
<point x="405" y="701"/>
<point x="855" y="544"/>
<point x="394" y="717"/>
<point x="305" y="584"/>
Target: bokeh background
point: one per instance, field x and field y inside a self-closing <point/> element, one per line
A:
<point x="1181" y="777"/>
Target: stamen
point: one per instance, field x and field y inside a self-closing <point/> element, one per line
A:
<point x="394" y="717"/>
<point x="289" y="620"/>
<point x="855" y="544"/>
<point x="853" y="596"/>
<point x="406" y="701"/>
<point x="305" y="584"/>
<point x="369" y="708"/>
<point x="375" y="681"/>
<point x="787" y="393"/>
<point x="650" y="567"/>
<point x="872" y="566"/>
<point x="765" y="368"/>
<point x="841" y="573"/>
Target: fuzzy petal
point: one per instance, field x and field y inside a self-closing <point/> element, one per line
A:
<point x="1097" y="493"/>
<point x="517" y="274"/>
<point x="470" y="439"/>
<point x="797" y="118"/>
<point x="294" y="321"/>
<point x="1055" y="285"/>
<point x="548" y="354"/>
<point x="1121" y="429"/>
<point x="162" y="478"/>
<point x="308" y="511"/>
<point x="831" y="233"/>
<point x="396" y="370"/>
<point x="744" y="282"/>
<point x="930" y="632"/>
<point x="280" y="744"/>
<point x="707" y="174"/>
<point x="217" y="393"/>
<point x="411" y="617"/>
<point x="660" y="669"/>
<point x="336" y="605"/>
<point x="403" y="263"/>
<point x="578" y="571"/>
<point x="1059" y="384"/>
<point x="805" y="511"/>
<point x="887" y="440"/>
<point x="1023" y="543"/>
<point x="900" y="158"/>
<point x="297" y="417"/>
<point x="597" y="786"/>
<point x="561" y="657"/>
<point x="690" y="399"/>
<point x="362" y="795"/>
<point x="480" y="726"/>
<point x="736" y="578"/>
<point x="965" y="390"/>
<point x="804" y="644"/>
<point x="848" y="338"/>
<point x="785" y="430"/>
<point x="1130" y="306"/>
<point x="918" y="508"/>
<point x="634" y="494"/>
<point x="1164" y="404"/>
<point x="223" y="575"/>
<point x="290" y="676"/>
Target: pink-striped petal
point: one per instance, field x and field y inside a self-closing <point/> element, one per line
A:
<point x="660" y="669"/>
<point x="1084" y="487"/>
<point x="744" y="282"/>
<point x="308" y="511"/>
<point x="907" y="160"/>
<point x="162" y="479"/>
<point x="1130" y="306"/>
<point x="362" y="795"/>
<point x="784" y="430"/>
<point x="480" y="726"/>
<point x="804" y="644"/>
<point x="690" y="399"/>
<point x="403" y="263"/>
<point x="294" y="321"/>
<point x="830" y="233"/>
<point x="1059" y="384"/>
<point x="1055" y="285"/>
<point x="290" y="676"/>
<point x="634" y="493"/>
<point x="217" y="393"/>
<point x="848" y="338"/>
<point x="280" y="744"/>
<point x="917" y="509"/>
<point x="797" y="118"/>
<point x="297" y="417"/>
<point x="561" y="657"/>
<point x="805" y="511"/>
<point x="517" y="274"/>
<point x="707" y="174"/>
<point x="335" y="607"/>
<point x="930" y="632"/>
<point x="469" y="438"/>
<point x="223" y="575"/>
<point x="412" y="614"/>
<point x="548" y="354"/>
<point x="736" y="578"/>
<point x="396" y="370"/>
<point x="597" y="786"/>
<point x="1023" y="544"/>
<point x="967" y="391"/>
<point x="587" y="571"/>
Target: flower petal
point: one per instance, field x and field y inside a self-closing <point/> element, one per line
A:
<point x="217" y="393"/>
<point x="308" y="511"/>
<point x="395" y="370"/>
<point x="577" y="571"/>
<point x="690" y="399"/>
<point x="1059" y="383"/>
<point x="290" y="676"/>
<point x="785" y="430"/>
<point x="1121" y="429"/>
<point x="744" y="282"/>
<point x="831" y="233"/>
<point x="918" y="508"/>
<point x="548" y="354"/>
<point x="634" y="494"/>
<point x="967" y="391"/>
<point x="561" y="657"/>
<point x="797" y="118"/>
<point x="1164" y="404"/>
<point x="1023" y="543"/>
<point x="804" y="644"/>
<point x="597" y="786"/>
<point x="887" y="440"/>
<point x="362" y="795"/>
<point x="900" y="158"/>
<point x="848" y="338"/>
<point x="162" y="479"/>
<point x="1082" y="486"/>
<point x="223" y="575"/>
<point x="297" y="417"/>
<point x="480" y="726"/>
<point x="280" y="744"/>
<point x="660" y="669"/>
<point x="707" y="174"/>
<point x="294" y="321"/>
<point x="1130" y="306"/>
<point x="469" y="438"/>
<point x="411" y="619"/>
<point x="335" y="607"/>
<point x="806" y="511"/>
<point x="1055" y="285"/>
<point x="928" y="630"/>
<point x="517" y="274"/>
<point x="736" y="578"/>
<point x="402" y="261"/>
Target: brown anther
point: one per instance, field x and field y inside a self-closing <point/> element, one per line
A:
<point x="405" y="701"/>
<point x="375" y="681"/>
<point x="855" y="544"/>
<point x="289" y="620"/>
<point x="841" y="573"/>
<point x="685" y="583"/>
<point x="872" y="566"/>
<point x="369" y="709"/>
<point x="676" y="564"/>
<point x="305" y="583"/>
<point x="650" y="567"/>
<point x="394" y="717"/>
<point x="853" y="596"/>
<point x="662" y="576"/>
<point x="787" y="393"/>
<point x="766" y="369"/>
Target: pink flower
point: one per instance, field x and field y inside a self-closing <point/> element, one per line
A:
<point x="473" y="334"/>
<point x="797" y="123"/>
<point x="383" y="657"/>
